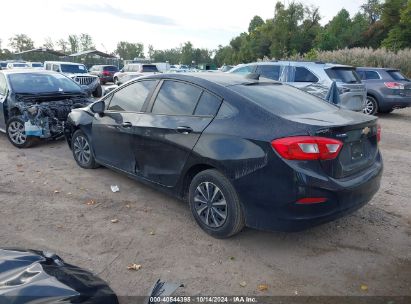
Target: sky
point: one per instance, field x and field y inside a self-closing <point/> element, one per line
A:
<point x="161" y="23"/>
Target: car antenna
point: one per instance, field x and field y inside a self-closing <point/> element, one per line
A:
<point x="254" y="76"/>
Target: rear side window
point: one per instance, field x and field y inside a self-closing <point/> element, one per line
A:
<point x="304" y="75"/>
<point x="244" y="70"/>
<point x="269" y="71"/>
<point x="132" y="97"/>
<point x="283" y="99"/>
<point x="370" y="75"/>
<point x="176" y="98"/>
<point x="150" y="68"/>
<point x="346" y="75"/>
<point x="396" y="75"/>
<point x="208" y="105"/>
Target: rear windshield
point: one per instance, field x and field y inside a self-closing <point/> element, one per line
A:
<point x="346" y="75"/>
<point x="149" y="68"/>
<point x="111" y="68"/>
<point x="396" y="75"/>
<point x="283" y="99"/>
<point x="73" y="68"/>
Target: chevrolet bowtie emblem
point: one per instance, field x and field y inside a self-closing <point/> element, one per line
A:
<point x="365" y="131"/>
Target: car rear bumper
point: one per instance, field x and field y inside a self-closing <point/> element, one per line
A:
<point x="106" y="78"/>
<point x="343" y="196"/>
<point x="393" y="102"/>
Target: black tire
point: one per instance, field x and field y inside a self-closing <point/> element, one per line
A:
<point x="371" y="106"/>
<point x="16" y="134"/>
<point x="223" y="220"/>
<point x="115" y="80"/>
<point x="82" y="151"/>
<point x="98" y="92"/>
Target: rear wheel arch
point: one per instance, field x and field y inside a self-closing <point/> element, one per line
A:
<point x="189" y="175"/>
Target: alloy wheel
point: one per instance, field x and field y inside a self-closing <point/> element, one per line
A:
<point x="369" y="107"/>
<point x="210" y="205"/>
<point x="16" y="133"/>
<point x="81" y="149"/>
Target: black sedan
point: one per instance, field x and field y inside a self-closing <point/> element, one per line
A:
<point x="242" y="151"/>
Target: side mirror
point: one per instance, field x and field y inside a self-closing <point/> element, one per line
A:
<point x="122" y="70"/>
<point x="98" y="107"/>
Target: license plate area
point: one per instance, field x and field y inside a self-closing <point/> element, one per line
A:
<point x="357" y="151"/>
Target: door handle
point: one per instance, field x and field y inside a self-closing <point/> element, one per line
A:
<point x="126" y="124"/>
<point x="184" y="130"/>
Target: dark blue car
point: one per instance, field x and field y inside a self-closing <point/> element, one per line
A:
<point x="241" y="151"/>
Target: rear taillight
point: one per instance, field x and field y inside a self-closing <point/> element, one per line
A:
<point x="307" y="147"/>
<point x="394" y="85"/>
<point x="378" y="133"/>
<point x="311" y="200"/>
<point x="106" y="73"/>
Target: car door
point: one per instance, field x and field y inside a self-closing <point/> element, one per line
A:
<point x="112" y="131"/>
<point x="166" y="135"/>
<point x="3" y="96"/>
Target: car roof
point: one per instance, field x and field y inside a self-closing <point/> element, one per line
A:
<point x="297" y="63"/>
<point x="63" y="62"/>
<point x="202" y="78"/>
<point x="27" y="71"/>
<point x="379" y="69"/>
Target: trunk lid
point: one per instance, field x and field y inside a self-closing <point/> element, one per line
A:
<point x="358" y="132"/>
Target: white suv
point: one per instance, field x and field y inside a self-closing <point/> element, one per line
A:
<point x="78" y="72"/>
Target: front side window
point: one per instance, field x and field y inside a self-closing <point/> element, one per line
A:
<point x="132" y="97"/>
<point x="176" y="98"/>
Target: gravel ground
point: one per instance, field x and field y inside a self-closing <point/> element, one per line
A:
<point x="45" y="204"/>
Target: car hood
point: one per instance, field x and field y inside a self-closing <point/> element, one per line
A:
<point x="30" y="276"/>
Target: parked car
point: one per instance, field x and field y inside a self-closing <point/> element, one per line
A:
<point x="78" y="72"/>
<point x="134" y="70"/>
<point x="241" y="151"/>
<point x="104" y="72"/>
<point x="17" y="65"/>
<point x="3" y="65"/>
<point x="387" y="89"/>
<point x="36" y="65"/>
<point x="34" y="104"/>
<point x="313" y="77"/>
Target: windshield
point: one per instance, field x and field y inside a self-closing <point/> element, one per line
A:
<point x="149" y="68"/>
<point x="396" y="75"/>
<point x="35" y="83"/>
<point x="346" y="75"/>
<point x="282" y="99"/>
<point x="73" y="68"/>
<point x="20" y="65"/>
<point x="110" y="68"/>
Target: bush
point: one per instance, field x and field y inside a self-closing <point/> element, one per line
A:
<point x="363" y="57"/>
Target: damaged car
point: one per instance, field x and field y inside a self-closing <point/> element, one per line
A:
<point x="35" y="104"/>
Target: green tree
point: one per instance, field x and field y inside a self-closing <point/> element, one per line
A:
<point x="63" y="45"/>
<point x="399" y="36"/>
<point x="336" y="34"/>
<point x="86" y="42"/>
<point x="372" y="10"/>
<point x="21" y="42"/>
<point x="129" y="51"/>
<point x="150" y="51"/>
<point x="255" y="23"/>
<point x="74" y="43"/>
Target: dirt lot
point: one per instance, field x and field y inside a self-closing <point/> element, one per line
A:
<point x="43" y="196"/>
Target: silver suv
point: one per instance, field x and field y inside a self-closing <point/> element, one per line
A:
<point x="313" y="77"/>
<point x="78" y="72"/>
